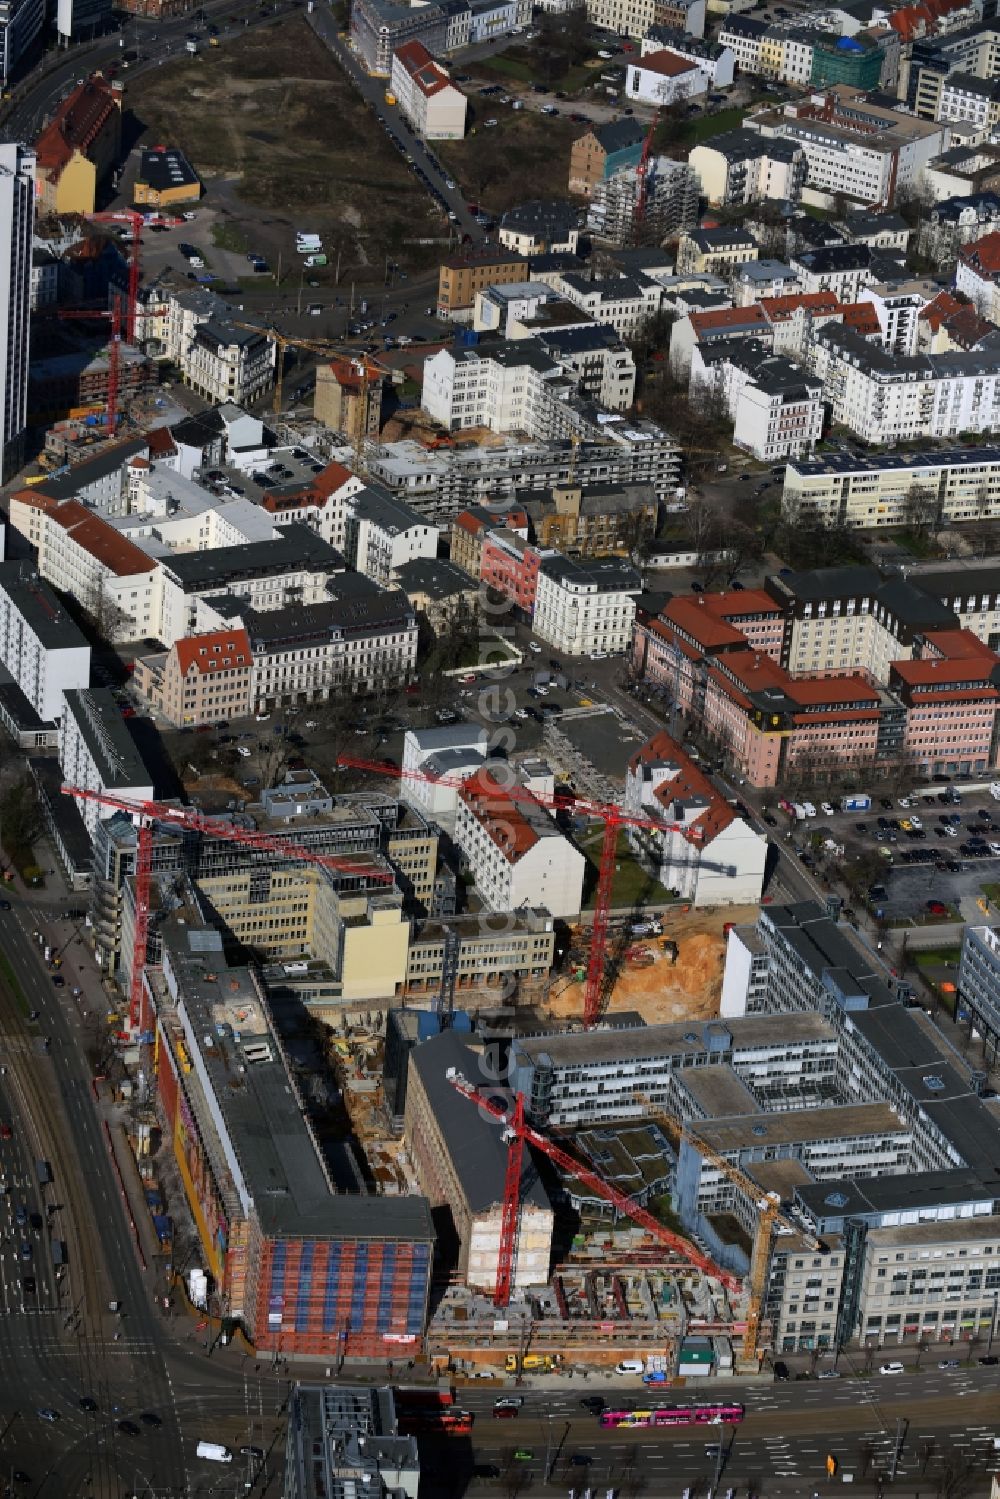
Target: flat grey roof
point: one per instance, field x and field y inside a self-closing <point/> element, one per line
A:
<point x="838" y="1122"/>
<point x="473" y="1138"/>
<point x="42" y="612"/>
<point x="106" y="736"/>
<point x="718" y="1091"/>
<point x="262" y="1113"/>
<point x="566" y="1048"/>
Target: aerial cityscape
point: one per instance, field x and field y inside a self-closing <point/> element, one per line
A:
<point x="499" y="749"/>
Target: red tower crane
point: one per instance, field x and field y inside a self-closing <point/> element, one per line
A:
<point x="114" y="352"/>
<point x="641" y="179"/>
<point x="146" y="813"/>
<point x="135" y="222"/>
<point x="516" y="1133"/>
<point x="612" y="817"/>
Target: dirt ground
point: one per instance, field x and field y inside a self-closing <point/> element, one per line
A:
<point x="272" y="122"/>
<point x="686" y="990"/>
<point x="525" y="155"/>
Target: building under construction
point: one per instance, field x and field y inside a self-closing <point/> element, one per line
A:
<point x="304" y="1268"/>
<point x="671" y="204"/>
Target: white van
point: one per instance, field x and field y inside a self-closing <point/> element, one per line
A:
<point x="214" y="1452"/>
<point x="629" y="1366"/>
<point x="307" y="239"/>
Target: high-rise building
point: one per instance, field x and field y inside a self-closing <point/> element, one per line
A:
<point x="17" y="216"/>
<point x="20" y="24"/>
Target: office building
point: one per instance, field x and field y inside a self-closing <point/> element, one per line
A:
<point x="97" y="752"/>
<point x="304" y="1268"/>
<point x="582" y="607"/>
<point x="461" y="1162"/>
<point x="44" y="653"/>
<point x="17" y="215"/>
<point x="344" y="1441"/>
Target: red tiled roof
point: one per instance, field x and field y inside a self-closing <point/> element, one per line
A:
<point x="76" y="123"/>
<point x="861" y="317"/>
<point x="734" y="602"/>
<point x="957" y="645"/>
<point x="160" y="442"/>
<point x="688" y="782"/>
<point x="728" y="317"/>
<point x="701" y="623"/>
<point x="218" y="650"/>
<point x="119" y="555"/>
<point x="933" y="669"/>
<point x="780" y="309"/>
<point x="667" y="63"/>
<point x="355" y="372"/>
<point x="982" y="254"/>
<point x="939" y="309"/>
<point x="427" y="74"/>
<point x="501" y="815"/>
<point x="322" y="489"/>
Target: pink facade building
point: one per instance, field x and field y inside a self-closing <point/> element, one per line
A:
<point x="951" y="695"/>
<point x="509" y="564"/>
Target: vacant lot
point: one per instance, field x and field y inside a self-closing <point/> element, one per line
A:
<point x="276" y="132"/>
<point x="525" y="155"/>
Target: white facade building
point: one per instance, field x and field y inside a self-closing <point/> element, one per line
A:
<point x="17" y="218"/>
<point x="706" y="851"/>
<point x="97" y="753"/>
<point x="663" y="78"/>
<point x="435" y="763"/>
<point x="515" y="851"/>
<point x="427" y="98"/>
<point x="40" y="644"/>
<point x="507" y="387"/>
<point x="382" y="534"/>
<point x="586" y="607"/>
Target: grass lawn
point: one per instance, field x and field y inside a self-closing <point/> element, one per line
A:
<point x="632" y="884"/>
<point x="936" y="957"/>
<point x="229" y="236"/>
<point x="272" y="112"/>
<point x="703" y="126"/>
<point x="992" y="893"/>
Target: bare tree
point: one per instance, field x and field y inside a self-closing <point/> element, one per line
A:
<point x="921" y="509"/>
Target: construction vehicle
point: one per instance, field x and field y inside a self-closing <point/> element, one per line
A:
<point x="147" y="813"/>
<point x="598" y="989"/>
<point x="516" y="1132"/>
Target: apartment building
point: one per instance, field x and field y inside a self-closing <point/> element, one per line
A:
<point x="462" y="277"/>
<point x="85" y="556"/>
<point x="365" y="640"/>
<point x="348" y="397"/>
<point x="382" y="534"/>
<point x="43" y="651"/>
<point x="201" y="679"/>
<point x="509" y="386"/>
<point x="541" y="226"/>
<point x="435" y="763"/>
<point x="510" y="566"/>
<point x="470" y="528"/>
<point x="776" y="407"/>
<point x="703" y="848"/>
<point x="599" y="362"/>
<point x="294" y="568"/>
<point x="621" y="302"/>
<point x="427" y="98"/>
<point x="949" y="486"/>
<point x="514" y="850"/>
<point x="448" y="480"/>
<point x="460" y="1158"/>
<point x="885" y="398"/>
<point x="673" y="649"/>
<point x="592" y="521"/>
<point x="841" y="269"/>
<point x="947" y="226"/>
<point x="864" y="151"/>
<point x="79" y="147"/>
<point x="744" y="166"/>
<point x="224" y="363"/>
<point x="584" y="607"/>
<point x="715" y="60"/>
<point x="97" y="752"/>
<point x="671" y="202"/>
<point x="715" y="252"/>
<point x="977" y="274"/>
<point x="603" y="150"/>
<point x="322" y="504"/>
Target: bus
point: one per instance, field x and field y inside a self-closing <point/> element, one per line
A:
<point x="675" y="1415"/>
